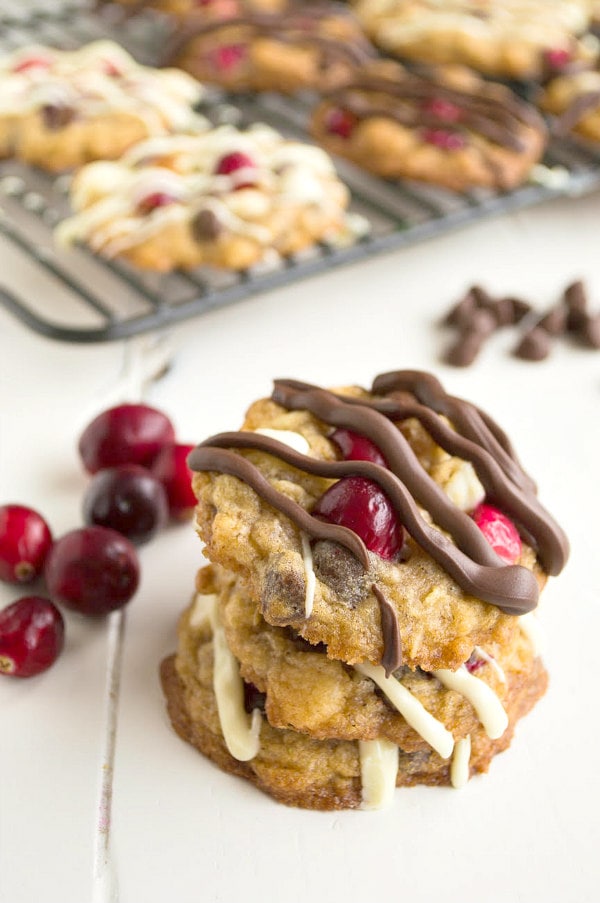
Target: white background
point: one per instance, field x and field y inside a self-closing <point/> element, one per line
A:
<point x="183" y="831"/>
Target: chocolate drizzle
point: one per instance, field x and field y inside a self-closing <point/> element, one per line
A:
<point x="392" y="643"/>
<point x="399" y="395"/>
<point x="576" y="111"/>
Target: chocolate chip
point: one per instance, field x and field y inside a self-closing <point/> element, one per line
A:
<point x="555" y="321"/>
<point x="520" y="309"/>
<point x="465" y="349"/>
<point x="284" y="590"/>
<point x="461" y="313"/>
<point x="590" y="331"/>
<point x="535" y="345"/>
<point x="206" y="226"/>
<point x="575" y="297"/>
<point x="57" y="116"/>
<point x="340" y="570"/>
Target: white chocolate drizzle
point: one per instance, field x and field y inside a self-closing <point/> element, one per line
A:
<point x="240" y="731"/>
<point x="459" y="767"/>
<point x="532" y="629"/>
<point x="413" y="711"/>
<point x="488" y="707"/>
<point x="378" y="770"/>
<point x="491" y="661"/>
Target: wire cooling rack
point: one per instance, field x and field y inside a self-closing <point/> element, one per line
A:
<point x="108" y="300"/>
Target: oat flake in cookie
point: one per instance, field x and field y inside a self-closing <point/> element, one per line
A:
<point x="365" y="623"/>
<point x="219" y="196"/>
<point x="446" y="126"/>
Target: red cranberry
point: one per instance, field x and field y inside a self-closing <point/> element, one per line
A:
<point x="355" y="447"/>
<point x="474" y="663"/>
<point x="25" y="541"/>
<point x="228" y="57"/>
<point x="128" y="499"/>
<point x="154" y="200"/>
<point x="127" y="434"/>
<point x="32" y="62"/>
<point x="443" y="139"/>
<point x="443" y="109"/>
<point x="361" y="505"/>
<point x="558" y="58"/>
<point x="171" y="469"/>
<point x="93" y="570"/>
<point x="111" y="69"/>
<point x="340" y="122"/>
<point x="499" y="531"/>
<point x="231" y="163"/>
<point x="32" y="634"/>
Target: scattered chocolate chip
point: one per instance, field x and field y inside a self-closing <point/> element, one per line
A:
<point x="57" y="116"/>
<point x="461" y="313"/>
<point x="575" y="298"/>
<point x="465" y="349"/>
<point x="482" y="298"/>
<point x="535" y="345"/>
<point x="206" y="226"/>
<point x="590" y="331"/>
<point x="483" y="322"/>
<point x="520" y="309"/>
<point x="340" y="570"/>
<point x="555" y="321"/>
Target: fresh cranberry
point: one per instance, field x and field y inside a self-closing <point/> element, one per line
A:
<point x="228" y="57"/>
<point x="443" y="109"/>
<point x="154" y="200"/>
<point x="361" y="505"/>
<point x="25" y="541"/>
<point x="127" y="434"/>
<point x="171" y="469"/>
<point x="474" y="663"/>
<point x="128" y="499"/>
<point x="231" y="163"/>
<point x="355" y="447"/>
<point x="340" y="122"/>
<point x="32" y="633"/>
<point x="499" y="531"/>
<point x="558" y="58"/>
<point x="92" y="570"/>
<point x="445" y="140"/>
<point x="32" y="62"/>
<point x="111" y="69"/>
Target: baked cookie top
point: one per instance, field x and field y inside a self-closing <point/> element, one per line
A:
<point x="98" y="79"/>
<point x="575" y="101"/>
<point x="388" y="554"/>
<point x="444" y="125"/>
<point x="514" y="38"/>
<point x="215" y="184"/>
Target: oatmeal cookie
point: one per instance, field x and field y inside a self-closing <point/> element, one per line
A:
<point x="209" y="706"/>
<point x="413" y="534"/>
<point x="206" y="10"/>
<point x="517" y="39"/>
<point x="575" y="102"/>
<point x="309" y="47"/>
<point x="61" y="109"/>
<point x="223" y="196"/>
<point x="445" y="126"/>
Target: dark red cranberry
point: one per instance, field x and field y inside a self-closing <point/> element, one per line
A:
<point x="171" y="469"/>
<point x="228" y="57"/>
<point x="361" y="505"/>
<point x="444" y="139"/>
<point x="474" y="663"/>
<point x="127" y="434"/>
<point x="355" y="447"/>
<point x="93" y="570"/>
<point x="443" y="109"/>
<point x="558" y="58"/>
<point x="499" y="531"/>
<point x="32" y="634"/>
<point x="25" y="541"/>
<point x="153" y="201"/>
<point x="340" y="122"/>
<point x="111" y="69"/>
<point x="128" y="499"/>
<point x="231" y="163"/>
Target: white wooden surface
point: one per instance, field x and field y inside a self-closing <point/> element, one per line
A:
<point x="182" y="830"/>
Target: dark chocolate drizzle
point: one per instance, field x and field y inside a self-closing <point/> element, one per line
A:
<point x="576" y="111"/>
<point x="392" y="642"/>
<point x="497" y="117"/>
<point x="469" y="560"/>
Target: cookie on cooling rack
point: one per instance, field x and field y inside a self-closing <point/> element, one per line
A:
<point x="317" y="733"/>
<point x="446" y="126"/>
<point x="201" y="9"/>
<point x="376" y="524"/>
<point x="517" y="39"/>
<point x="224" y="197"/>
<point x="61" y="109"/>
<point x="575" y="102"/>
<point x="309" y="47"/>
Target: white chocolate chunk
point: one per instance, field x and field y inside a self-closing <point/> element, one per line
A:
<point x="428" y="727"/>
<point x="463" y="488"/>
<point x="459" y="768"/>
<point x="286" y="437"/>
<point x="488" y="707"/>
<point x="378" y="770"/>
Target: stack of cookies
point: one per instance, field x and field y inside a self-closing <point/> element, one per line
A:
<point x="366" y="621"/>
